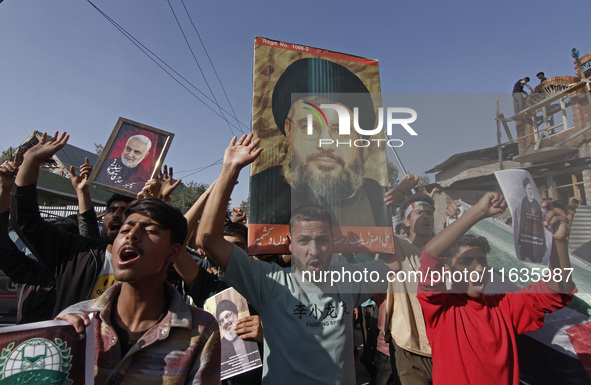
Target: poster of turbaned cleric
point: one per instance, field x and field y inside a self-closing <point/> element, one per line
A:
<point x="131" y="157"/>
<point x="237" y="355"/>
<point x="49" y="352"/>
<point x="316" y="114"/>
<point x="533" y="242"/>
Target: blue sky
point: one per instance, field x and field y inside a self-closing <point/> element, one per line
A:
<point x="65" y="67"/>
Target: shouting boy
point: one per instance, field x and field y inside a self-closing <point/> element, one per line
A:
<point x="144" y="332"/>
<point x="472" y="334"/>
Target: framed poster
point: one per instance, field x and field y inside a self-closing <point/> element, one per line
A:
<point x="131" y="157"/>
<point x="301" y="96"/>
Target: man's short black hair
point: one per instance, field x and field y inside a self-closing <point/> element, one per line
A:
<point x="470" y="241"/>
<point x="309" y="213"/>
<point x="540" y="73"/>
<point x="526" y="79"/>
<point x="415" y="198"/>
<point x="167" y="216"/>
<point x="118" y="198"/>
<point x="235" y="229"/>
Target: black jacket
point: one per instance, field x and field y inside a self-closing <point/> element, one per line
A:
<point x="74" y="260"/>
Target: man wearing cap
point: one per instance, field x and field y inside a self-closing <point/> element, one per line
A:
<point x="315" y="172"/>
<point x="233" y="347"/>
<point x="410" y="351"/>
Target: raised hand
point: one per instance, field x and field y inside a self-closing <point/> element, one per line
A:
<point x="395" y="195"/>
<point x="45" y="149"/>
<point x="573" y="203"/>
<point x="238" y="216"/>
<point x="453" y="210"/>
<point x="491" y="204"/>
<point x="242" y="152"/>
<point x="80" y="182"/>
<point x="556" y="221"/>
<point x="8" y="171"/>
<point x="167" y="186"/>
<point x="407" y="183"/>
<point x="150" y="190"/>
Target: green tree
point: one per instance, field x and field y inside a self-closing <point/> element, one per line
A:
<point x="7" y="154"/>
<point x="392" y="173"/>
<point x="186" y="195"/>
<point x="425" y="179"/>
<point x="245" y="206"/>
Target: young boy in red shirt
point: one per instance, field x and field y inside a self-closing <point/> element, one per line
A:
<point x="472" y="334"/>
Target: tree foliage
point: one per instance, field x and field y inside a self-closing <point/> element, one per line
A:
<point x="98" y="148"/>
<point x="184" y="197"/>
<point x="245" y="206"/>
<point x="7" y="154"/>
<point x="392" y="173"/>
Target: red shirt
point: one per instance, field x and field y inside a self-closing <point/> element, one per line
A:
<point x="473" y="340"/>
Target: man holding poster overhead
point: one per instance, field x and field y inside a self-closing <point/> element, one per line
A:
<point x="308" y="321"/>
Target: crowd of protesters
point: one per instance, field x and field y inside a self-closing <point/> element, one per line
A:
<point x="140" y="272"/>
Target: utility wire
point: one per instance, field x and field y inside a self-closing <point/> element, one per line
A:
<point x="212" y="66"/>
<point x="198" y="65"/>
<point x="152" y="56"/>
<point x="197" y="170"/>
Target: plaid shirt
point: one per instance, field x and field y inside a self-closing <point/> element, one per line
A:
<point x="183" y="348"/>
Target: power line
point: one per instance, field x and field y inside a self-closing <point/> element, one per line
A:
<point x="212" y="66"/>
<point x="152" y="56"/>
<point x="197" y="170"/>
<point x="198" y="65"/>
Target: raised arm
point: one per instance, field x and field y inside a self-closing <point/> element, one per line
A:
<point x="8" y="172"/>
<point x="187" y="268"/>
<point x="239" y="154"/>
<point x="80" y="184"/>
<point x="87" y="220"/>
<point x="51" y="246"/>
<point x="557" y="222"/>
<point x="491" y="204"/>
<point x="42" y="151"/>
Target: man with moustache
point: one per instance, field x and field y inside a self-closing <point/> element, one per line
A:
<point x="82" y="266"/>
<point x="312" y="172"/>
<point x="308" y="325"/>
<point x="124" y="172"/>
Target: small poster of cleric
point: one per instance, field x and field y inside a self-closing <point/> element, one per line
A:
<point x="533" y="242"/>
<point x="49" y="352"/>
<point x="132" y="155"/>
<point x="313" y="110"/>
<point x="238" y="355"/>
